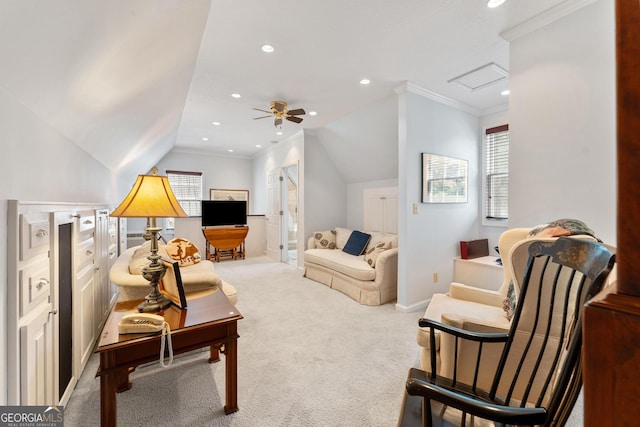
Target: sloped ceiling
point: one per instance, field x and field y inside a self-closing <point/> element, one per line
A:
<point x="110" y="76"/>
<point x="127" y="80"/>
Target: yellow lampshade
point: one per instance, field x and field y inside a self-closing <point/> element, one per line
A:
<point x="150" y="196"/>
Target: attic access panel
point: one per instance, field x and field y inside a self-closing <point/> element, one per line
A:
<point x="481" y="77"/>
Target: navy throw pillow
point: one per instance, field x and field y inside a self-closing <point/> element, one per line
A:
<point x="356" y="243"/>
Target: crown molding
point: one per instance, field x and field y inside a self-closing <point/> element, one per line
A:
<point x="544" y="18"/>
<point x="497" y="109"/>
<point x="413" y="88"/>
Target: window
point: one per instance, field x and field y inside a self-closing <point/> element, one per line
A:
<point x="496" y="197"/>
<point x="187" y="186"/>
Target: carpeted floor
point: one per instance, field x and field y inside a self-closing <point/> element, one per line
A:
<point x="307" y="356"/>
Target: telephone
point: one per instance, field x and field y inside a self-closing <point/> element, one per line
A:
<point x="144" y="323"/>
<point x="140" y="323"/>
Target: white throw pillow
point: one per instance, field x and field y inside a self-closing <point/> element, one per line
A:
<point x="342" y="235"/>
<point x="373" y="252"/>
<point x="325" y="239"/>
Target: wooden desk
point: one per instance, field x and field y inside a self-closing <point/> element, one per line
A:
<point x="209" y="321"/>
<point x="226" y="241"/>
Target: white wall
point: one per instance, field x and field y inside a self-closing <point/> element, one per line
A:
<point x="39" y="164"/>
<point x="364" y="144"/>
<point x="562" y="122"/>
<point x="325" y="190"/>
<point x="429" y="240"/>
<point x="217" y="171"/>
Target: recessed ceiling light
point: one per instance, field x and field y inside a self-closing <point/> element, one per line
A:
<point x="216" y="123"/>
<point x="279" y="133"/>
<point x="258" y="145"/>
<point x="312" y="113"/>
<point x="205" y="139"/>
<point x="267" y="48"/>
<point x="365" y="82"/>
<point x="230" y="150"/>
<point x="236" y="95"/>
<point x="494" y="3"/>
<point x="505" y="92"/>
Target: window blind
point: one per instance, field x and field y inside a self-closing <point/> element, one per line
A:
<point x="187" y="186"/>
<point x="497" y="172"/>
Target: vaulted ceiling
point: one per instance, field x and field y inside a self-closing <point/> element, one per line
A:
<point x="132" y="79"/>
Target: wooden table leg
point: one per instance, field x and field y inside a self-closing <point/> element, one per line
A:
<point x="214" y="354"/>
<point x="109" y="379"/>
<point x="231" y="364"/>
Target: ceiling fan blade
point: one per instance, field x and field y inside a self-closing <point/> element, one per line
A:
<point x="297" y="112"/>
<point x="264" y="111"/>
<point x="294" y="119"/>
<point x="262" y="117"/>
<point x="277" y="122"/>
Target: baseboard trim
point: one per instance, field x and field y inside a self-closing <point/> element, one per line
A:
<point x="413" y="307"/>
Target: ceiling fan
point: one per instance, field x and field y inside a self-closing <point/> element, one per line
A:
<point x="280" y="111"/>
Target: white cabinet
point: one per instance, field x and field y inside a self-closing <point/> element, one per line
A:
<point x="85" y="301"/>
<point x="483" y="272"/>
<point x="381" y="210"/>
<point x="30" y="311"/>
<point x="59" y="294"/>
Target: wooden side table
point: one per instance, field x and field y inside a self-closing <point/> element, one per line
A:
<point x="226" y="241"/>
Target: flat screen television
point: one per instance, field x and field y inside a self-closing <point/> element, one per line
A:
<point x="224" y="212"/>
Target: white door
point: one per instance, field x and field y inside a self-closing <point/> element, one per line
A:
<point x="274" y="215"/>
<point x="37" y="370"/>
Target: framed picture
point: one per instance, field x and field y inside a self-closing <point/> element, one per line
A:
<point x="171" y="284"/>
<point x="444" y="179"/>
<point x="222" y="194"/>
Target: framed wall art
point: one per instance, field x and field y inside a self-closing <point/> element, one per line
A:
<point x="444" y="179"/>
<point x="223" y="194"/>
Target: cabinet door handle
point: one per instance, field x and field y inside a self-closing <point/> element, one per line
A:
<point x="43" y="282"/>
<point x="89" y="252"/>
<point x="88" y="221"/>
<point x="54" y="311"/>
<point x="96" y="268"/>
<point x="41" y="233"/>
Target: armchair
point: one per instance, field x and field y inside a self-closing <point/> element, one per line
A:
<point x="538" y="376"/>
<point x="471" y="308"/>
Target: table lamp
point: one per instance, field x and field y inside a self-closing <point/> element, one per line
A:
<point x="151" y="197"/>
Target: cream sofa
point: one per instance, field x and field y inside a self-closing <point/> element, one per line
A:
<point x="195" y="278"/>
<point x="370" y="279"/>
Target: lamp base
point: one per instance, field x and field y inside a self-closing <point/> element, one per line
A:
<point x="154" y="272"/>
<point x="153" y="304"/>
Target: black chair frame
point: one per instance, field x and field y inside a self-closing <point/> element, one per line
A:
<point x="566" y="271"/>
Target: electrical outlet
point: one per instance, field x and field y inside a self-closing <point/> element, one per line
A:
<point x="435" y="277"/>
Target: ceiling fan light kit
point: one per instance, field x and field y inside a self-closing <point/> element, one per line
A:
<point x="279" y="111"/>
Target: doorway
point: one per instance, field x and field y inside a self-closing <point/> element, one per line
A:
<point x="290" y="184"/>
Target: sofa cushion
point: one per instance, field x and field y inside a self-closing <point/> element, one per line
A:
<point x="183" y="251"/>
<point x="373" y="252"/>
<point x="350" y="265"/>
<point x="342" y="235"/>
<point x="356" y="243"/>
<point x="325" y="239"/>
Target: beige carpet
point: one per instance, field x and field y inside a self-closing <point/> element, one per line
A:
<point x="307" y="356"/>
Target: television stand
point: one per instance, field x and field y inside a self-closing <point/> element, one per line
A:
<point x="225" y="241"/>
